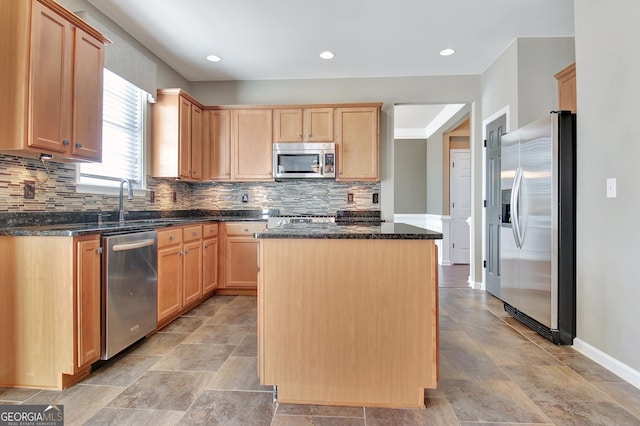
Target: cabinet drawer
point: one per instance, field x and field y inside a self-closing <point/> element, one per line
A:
<point x="246" y="229"/>
<point x="168" y="237"/>
<point x="192" y="233"/>
<point x="210" y="230"/>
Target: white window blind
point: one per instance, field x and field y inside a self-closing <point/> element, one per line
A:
<point x="122" y="136"/>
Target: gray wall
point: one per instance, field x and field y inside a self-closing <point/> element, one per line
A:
<point x="539" y="59"/>
<point x="436" y="162"/>
<point x="608" y="90"/>
<point x="126" y="56"/>
<point x="428" y="90"/>
<point x="522" y="78"/>
<point x="410" y="176"/>
<point x="391" y="90"/>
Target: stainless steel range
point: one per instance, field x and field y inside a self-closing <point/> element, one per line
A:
<point x="275" y="221"/>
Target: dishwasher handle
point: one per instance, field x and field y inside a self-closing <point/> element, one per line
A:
<point x="134" y="245"/>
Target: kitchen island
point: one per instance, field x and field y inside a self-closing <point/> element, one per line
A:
<point x="348" y="315"/>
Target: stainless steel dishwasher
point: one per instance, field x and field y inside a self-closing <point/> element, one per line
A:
<point x="129" y="289"/>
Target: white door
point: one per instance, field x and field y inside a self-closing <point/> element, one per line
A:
<point x="460" y="195"/>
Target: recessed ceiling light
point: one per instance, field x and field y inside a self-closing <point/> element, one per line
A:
<point x="447" y="52"/>
<point x="327" y="55"/>
<point x="214" y="58"/>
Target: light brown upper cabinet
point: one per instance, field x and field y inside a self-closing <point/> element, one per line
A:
<point x="567" y="99"/>
<point x="251" y="145"/>
<point x="218" y="136"/>
<point x="176" y="136"/>
<point x="357" y="140"/>
<point x="51" y="82"/>
<point x="303" y="125"/>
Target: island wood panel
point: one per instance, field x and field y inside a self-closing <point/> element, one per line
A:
<point x="348" y="322"/>
<point x="37" y="311"/>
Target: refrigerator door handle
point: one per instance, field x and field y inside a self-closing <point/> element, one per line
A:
<point x="515" y="207"/>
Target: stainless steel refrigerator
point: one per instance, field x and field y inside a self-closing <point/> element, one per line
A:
<point x="537" y="239"/>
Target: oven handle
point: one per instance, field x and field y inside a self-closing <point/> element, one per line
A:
<point x="133" y="246"/>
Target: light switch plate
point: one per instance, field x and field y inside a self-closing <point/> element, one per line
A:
<point x="611" y="187"/>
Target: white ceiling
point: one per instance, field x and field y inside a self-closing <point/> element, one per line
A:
<point x="421" y="121"/>
<point x="281" y="39"/>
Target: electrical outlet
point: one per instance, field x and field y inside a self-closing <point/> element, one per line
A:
<point x="376" y="198"/>
<point x="245" y="198"/>
<point x="152" y="196"/>
<point x="175" y="197"/>
<point x="29" y="189"/>
<point x="349" y="198"/>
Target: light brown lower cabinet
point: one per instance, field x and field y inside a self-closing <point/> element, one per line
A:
<point x="239" y="260"/>
<point x="169" y="273"/>
<point x="179" y="270"/>
<point x="209" y="258"/>
<point x="49" y="310"/>
<point x="192" y="269"/>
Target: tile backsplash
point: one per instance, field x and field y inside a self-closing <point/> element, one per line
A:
<point x="57" y="193"/>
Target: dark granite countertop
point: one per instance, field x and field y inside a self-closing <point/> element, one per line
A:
<point x="138" y="221"/>
<point x="383" y="231"/>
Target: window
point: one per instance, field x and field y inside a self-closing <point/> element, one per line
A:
<point x="124" y="108"/>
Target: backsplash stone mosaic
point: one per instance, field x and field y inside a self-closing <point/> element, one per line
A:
<point x="57" y="193"/>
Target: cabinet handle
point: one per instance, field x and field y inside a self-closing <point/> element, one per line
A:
<point x="180" y="253"/>
<point x="206" y="247"/>
<point x="246" y="229"/>
<point x="171" y="238"/>
<point x="300" y="136"/>
<point x="186" y="252"/>
<point x="78" y="145"/>
<point x="194" y="233"/>
<point x="66" y="142"/>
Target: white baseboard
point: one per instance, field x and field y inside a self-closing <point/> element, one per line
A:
<point x="474" y="284"/>
<point x="607" y="361"/>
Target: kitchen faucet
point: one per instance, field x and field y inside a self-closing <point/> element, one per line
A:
<point x="130" y="197"/>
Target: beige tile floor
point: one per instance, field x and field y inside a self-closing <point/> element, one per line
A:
<point x="201" y="370"/>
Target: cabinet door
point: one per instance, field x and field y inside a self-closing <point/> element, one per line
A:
<point x="184" y="143"/>
<point x="88" y="302"/>
<point x="251" y="136"/>
<point x="219" y="145"/>
<point x="209" y="265"/>
<point x="241" y="269"/>
<point x="192" y="273"/>
<point x="357" y="139"/>
<point x="196" y="142"/>
<point x="287" y="125"/>
<point x="88" y="65"/>
<point x="51" y="80"/>
<point x="169" y="281"/>
<point x="318" y="124"/>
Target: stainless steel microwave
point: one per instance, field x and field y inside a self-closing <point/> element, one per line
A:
<point x="304" y="160"/>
